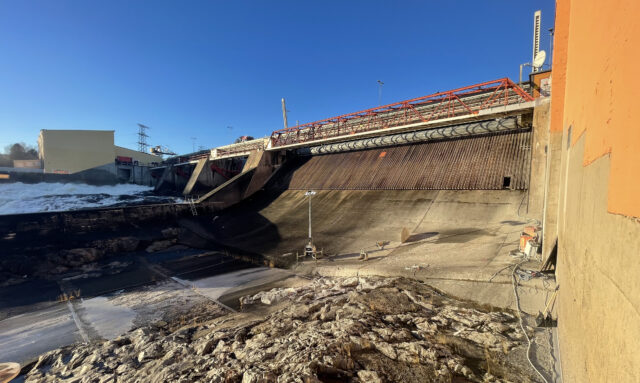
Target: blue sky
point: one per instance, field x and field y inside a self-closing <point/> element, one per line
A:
<point x="193" y="68"/>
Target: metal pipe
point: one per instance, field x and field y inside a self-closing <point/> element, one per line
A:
<point x="520" y="78"/>
<point x="461" y="101"/>
<point x="470" y="129"/>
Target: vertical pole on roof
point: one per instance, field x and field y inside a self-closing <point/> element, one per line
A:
<point x="284" y="114"/>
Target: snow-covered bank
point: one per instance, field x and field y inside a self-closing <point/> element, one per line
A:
<point x="18" y="198"/>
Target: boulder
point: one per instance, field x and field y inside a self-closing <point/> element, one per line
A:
<point x="160" y="245"/>
<point x="369" y="376"/>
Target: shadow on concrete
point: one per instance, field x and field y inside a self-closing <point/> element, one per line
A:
<point x="421" y="236"/>
<point x="513" y="223"/>
<point x="462" y="235"/>
<point x="241" y="228"/>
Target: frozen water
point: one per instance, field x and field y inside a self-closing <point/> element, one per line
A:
<point x="18" y="198"/>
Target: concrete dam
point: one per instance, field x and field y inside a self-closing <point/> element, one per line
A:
<point x="371" y="195"/>
<point x="450" y="175"/>
<point x="453" y="190"/>
<point x="436" y="189"/>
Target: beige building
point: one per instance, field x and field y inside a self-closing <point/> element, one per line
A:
<point x="73" y="151"/>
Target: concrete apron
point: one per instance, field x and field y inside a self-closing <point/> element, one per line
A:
<point x="480" y="269"/>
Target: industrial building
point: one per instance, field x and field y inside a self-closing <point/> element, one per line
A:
<point x="92" y="153"/>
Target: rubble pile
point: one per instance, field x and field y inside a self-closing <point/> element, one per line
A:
<point x="331" y="330"/>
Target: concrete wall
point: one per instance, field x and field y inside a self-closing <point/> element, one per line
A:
<point x="539" y="148"/>
<point x="30" y="164"/>
<point x="142" y="158"/>
<point x="597" y="45"/>
<point x="71" y="151"/>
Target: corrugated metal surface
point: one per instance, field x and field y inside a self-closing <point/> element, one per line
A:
<point x="466" y="163"/>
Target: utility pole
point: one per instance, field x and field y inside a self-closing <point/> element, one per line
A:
<point x="380" y="84"/>
<point x="284" y="114"/>
<point x="193" y="144"/>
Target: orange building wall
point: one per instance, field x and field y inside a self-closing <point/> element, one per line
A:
<point x="597" y="202"/>
<point x="602" y="90"/>
<point x="560" y="47"/>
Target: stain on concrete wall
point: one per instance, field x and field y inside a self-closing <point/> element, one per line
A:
<point x="601" y="92"/>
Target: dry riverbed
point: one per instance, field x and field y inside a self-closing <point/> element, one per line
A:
<point x="330" y="330"/>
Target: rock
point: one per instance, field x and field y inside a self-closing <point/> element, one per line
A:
<point x="328" y="313"/>
<point x="117" y="245"/>
<point x="350" y="282"/>
<point x="79" y="256"/>
<point x="384" y="332"/>
<point x="498" y="327"/>
<point x="122" y="368"/>
<point x="386" y="349"/>
<point x="221" y="347"/>
<point x="141" y="337"/>
<point x="160" y="245"/>
<point x="254" y="376"/>
<point x="327" y="331"/>
<point x="204" y="348"/>
<point x="169" y="358"/>
<point x="369" y="376"/>
<point x="300" y="311"/>
<point x="8" y="371"/>
<point x="128" y="244"/>
<point x="170" y="232"/>
<point x="466" y="371"/>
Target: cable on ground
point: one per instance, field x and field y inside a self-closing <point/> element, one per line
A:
<point x="515" y="292"/>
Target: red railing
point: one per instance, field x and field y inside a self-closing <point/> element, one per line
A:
<point x="454" y="103"/>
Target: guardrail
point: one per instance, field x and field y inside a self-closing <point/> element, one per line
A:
<point x="468" y="100"/>
<point x="237" y="149"/>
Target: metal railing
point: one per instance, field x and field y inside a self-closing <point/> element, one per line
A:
<point x="239" y="148"/>
<point x="466" y="101"/>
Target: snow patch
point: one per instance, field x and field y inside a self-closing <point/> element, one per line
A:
<point x="19" y="198"/>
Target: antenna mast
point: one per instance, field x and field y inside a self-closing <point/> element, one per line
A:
<point x="536" y="38"/>
<point x="142" y="138"/>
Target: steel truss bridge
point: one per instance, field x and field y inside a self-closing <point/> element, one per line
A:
<point x="451" y="105"/>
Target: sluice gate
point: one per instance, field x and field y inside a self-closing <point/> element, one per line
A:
<point x="488" y="162"/>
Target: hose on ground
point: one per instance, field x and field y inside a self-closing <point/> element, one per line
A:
<point x="515" y="292"/>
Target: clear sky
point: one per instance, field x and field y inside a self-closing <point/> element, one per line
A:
<point x="194" y="68"/>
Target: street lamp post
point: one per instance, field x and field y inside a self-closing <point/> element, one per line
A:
<point x="310" y="249"/>
<point x="309" y="194"/>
